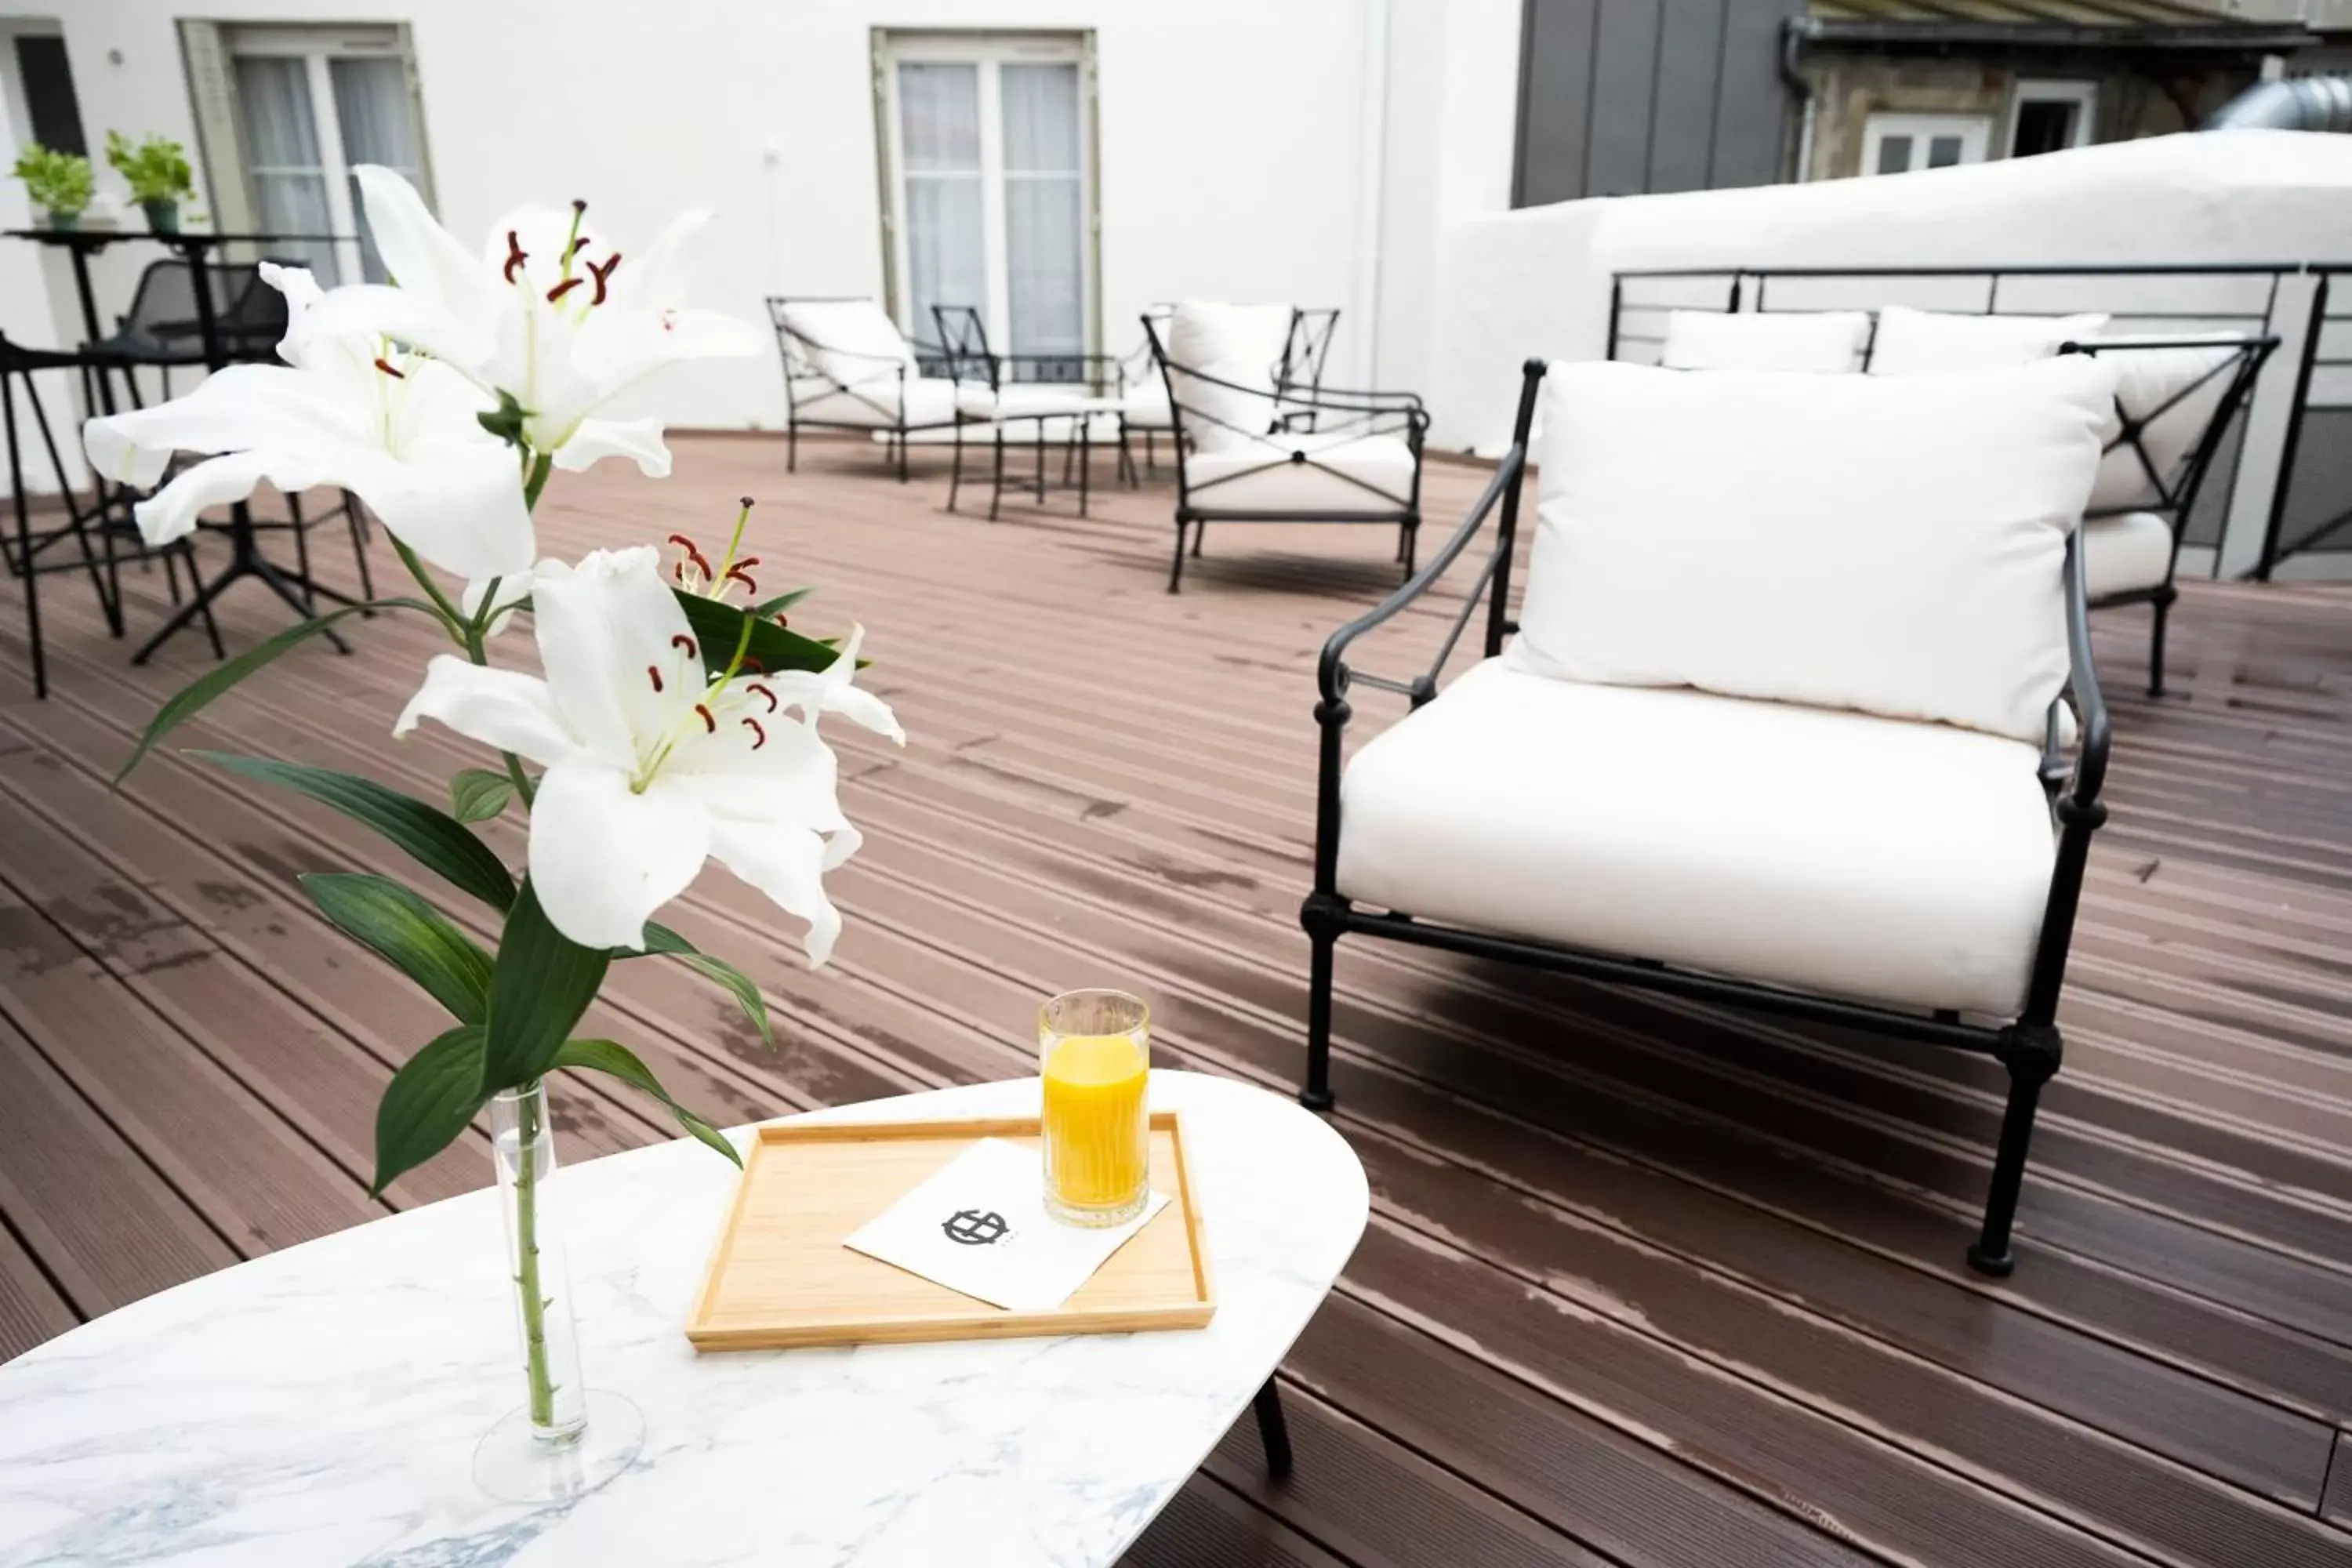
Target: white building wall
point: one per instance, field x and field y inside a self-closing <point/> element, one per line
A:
<point x="1231" y="140"/>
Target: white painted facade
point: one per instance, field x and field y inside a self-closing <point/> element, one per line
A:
<point x="1235" y="159"/>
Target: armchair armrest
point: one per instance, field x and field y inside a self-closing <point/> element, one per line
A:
<point x="2079" y="812"/>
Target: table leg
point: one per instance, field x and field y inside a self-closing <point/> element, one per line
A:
<point x="1273" y="1428"/>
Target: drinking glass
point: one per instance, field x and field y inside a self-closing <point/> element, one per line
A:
<point x="1094" y="1049"/>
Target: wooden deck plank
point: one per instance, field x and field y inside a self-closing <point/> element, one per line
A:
<point x="32" y="1309"/>
<point x="1651" y="1282"/>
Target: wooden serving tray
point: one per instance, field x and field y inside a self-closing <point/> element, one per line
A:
<point x="780" y="1277"/>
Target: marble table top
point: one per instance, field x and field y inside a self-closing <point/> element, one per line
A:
<point x="320" y="1406"/>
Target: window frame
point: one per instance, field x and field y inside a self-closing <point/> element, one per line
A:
<point x="317" y="46"/>
<point x="989" y="51"/>
<point x="2083" y="94"/>
<point x="1922" y="125"/>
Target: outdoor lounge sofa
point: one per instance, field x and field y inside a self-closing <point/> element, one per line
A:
<point x="848" y="367"/>
<point x="1781" y="724"/>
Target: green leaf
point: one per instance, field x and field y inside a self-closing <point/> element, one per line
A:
<point x="440" y="843"/>
<point x="428" y="1103"/>
<point x="717" y="627"/>
<point x="769" y="609"/>
<point x="542" y="984"/>
<point x="612" y="1057"/>
<point x="505" y="421"/>
<point x="661" y="940"/>
<point x="418" y="939"/>
<point x="477" y="795"/>
<point x="198" y="694"/>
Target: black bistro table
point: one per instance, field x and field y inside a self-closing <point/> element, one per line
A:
<point x="297" y="589"/>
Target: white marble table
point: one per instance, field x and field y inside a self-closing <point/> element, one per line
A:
<point x="320" y="1406"/>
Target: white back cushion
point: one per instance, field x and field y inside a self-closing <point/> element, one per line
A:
<point x="1893" y="545"/>
<point x="1912" y="342"/>
<point x="1828" y="342"/>
<point x="1238" y="343"/>
<point x="2187" y="385"/>
<point x="850" y="340"/>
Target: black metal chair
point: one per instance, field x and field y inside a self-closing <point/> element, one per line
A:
<point x="1358" y="462"/>
<point x="848" y="368"/>
<point x="1303" y="358"/>
<point x="2132" y="544"/>
<point x="91" y="533"/>
<point x="1000" y="389"/>
<point x="158" y="329"/>
<point x="2029" y="1045"/>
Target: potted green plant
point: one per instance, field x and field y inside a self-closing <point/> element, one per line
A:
<point x="59" y="181"/>
<point x="159" y="175"/>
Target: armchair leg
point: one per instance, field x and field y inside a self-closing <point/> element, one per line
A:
<point x="1321" y="917"/>
<point x="1273" y="1428"/>
<point x="1409" y="545"/>
<point x="1176" y="571"/>
<point x="2032" y="1053"/>
<point x="955" y="476"/>
<point x="902" y="457"/>
<point x="1041" y="462"/>
<point x="2163" y="611"/>
<point x="997" y="493"/>
<point x="792" y="448"/>
<point x="1200" y="536"/>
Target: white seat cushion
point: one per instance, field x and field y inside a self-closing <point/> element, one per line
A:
<point x="1822" y="341"/>
<point x="1916" y="342"/>
<point x="1342" y="473"/>
<point x="1240" y="344"/>
<point x="2123" y="554"/>
<point x="1835" y="853"/>
<point x="1017" y="400"/>
<point x="875" y="401"/>
<point x="852" y="340"/>
<point x="1889" y="543"/>
<point x="1145" y="406"/>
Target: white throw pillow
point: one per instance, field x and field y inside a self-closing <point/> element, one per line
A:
<point x="1241" y="344"/>
<point x="2187" y="385"/>
<point x="1828" y="342"/>
<point x="1912" y="342"/>
<point x="1890" y="544"/>
<point x="850" y="340"/>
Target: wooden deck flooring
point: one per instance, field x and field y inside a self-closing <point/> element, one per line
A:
<point x="1645" y="1282"/>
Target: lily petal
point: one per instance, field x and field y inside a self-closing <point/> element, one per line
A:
<point x="830" y="691"/>
<point x="456" y="504"/>
<point x="501" y="707"/>
<point x="788" y="865"/>
<point x="604" y="858"/>
<point x="405" y="316"/>
<point x="422" y="257"/>
<point x="601" y="625"/>
<point x="232" y="410"/>
<point x="639" y="440"/>
<point x="170" y="512"/>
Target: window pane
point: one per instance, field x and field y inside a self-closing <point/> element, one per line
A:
<point x="377" y="119"/>
<point x="49" y="93"/>
<point x="939" y="117"/>
<point x="944" y="249"/>
<point x="1044" y="246"/>
<point x="1894" y="154"/>
<point x="1041" y="118"/>
<point x="2042" y="126"/>
<point x="281" y="145"/>
<point x="1943" y="151"/>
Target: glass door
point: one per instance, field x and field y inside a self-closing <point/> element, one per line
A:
<point x="990" y="205"/>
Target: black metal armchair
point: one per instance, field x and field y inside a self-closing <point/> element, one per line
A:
<point x="2028" y="1044"/>
<point x="848" y="368"/>
<point x="1238" y="459"/>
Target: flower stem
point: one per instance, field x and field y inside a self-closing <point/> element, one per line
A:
<point x="453" y="620"/>
<point x="539" y="469"/>
<point x="529" y="1101"/>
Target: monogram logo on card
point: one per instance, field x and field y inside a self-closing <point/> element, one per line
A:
<point x="971" y="1227"/>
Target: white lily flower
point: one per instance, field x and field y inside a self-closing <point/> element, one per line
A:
<point x="549" y="313"/>
<point x="395" y="430"/>
<point x="654" y="761"/>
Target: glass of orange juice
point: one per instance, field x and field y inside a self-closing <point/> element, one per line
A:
<point x="1094" y="1048"/>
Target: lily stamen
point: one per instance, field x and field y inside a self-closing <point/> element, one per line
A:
<point x="653" y="673"/>
<point x="515" y="255"/>
<point x="561" y="289"/>
<point x="759" y="734"/>
<point x="709" y="724"/>
<point x="386" y="366"/>
<point x="762" y="690"/>
<point x="686" y="645"/>
<point x="603" y="275"/>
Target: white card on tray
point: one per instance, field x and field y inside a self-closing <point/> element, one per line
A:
<point x="979" y="1225"/>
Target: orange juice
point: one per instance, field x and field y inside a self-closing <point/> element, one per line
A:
<point x="1098" y="1146"/>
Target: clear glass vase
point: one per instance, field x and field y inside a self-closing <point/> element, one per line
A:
<point x="566" y="1439"/>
